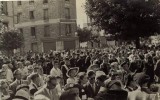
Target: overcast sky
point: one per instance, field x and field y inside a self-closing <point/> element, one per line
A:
<point x="81" y="16"/>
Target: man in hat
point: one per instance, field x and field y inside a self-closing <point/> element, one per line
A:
<point x="49" y="90"/>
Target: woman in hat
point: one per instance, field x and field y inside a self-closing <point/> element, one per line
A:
<point x="71" y="74"/>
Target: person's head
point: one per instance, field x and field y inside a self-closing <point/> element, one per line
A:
<point x="71" y="92"/>
<point x="30" y="69"/>
<point x="27" y="63"/>
<point x="142" y="79"/>
<point x="113" y="85"/>
<point x="2" y="74"/>
<point x="91" y="76"/>
<point x="20" y="65"/>
<point x="105" y="58"/>
<point x="40" y="97"/>
<point x="36" y="69"/>
<point x="51" y="82"/>
<point x="125" y="66"/>
<point x="35" y="78"/>
<point x="100" y="79"/>
<point x="4" y="67"/>
<point x="4" y="87"/>
<point x="18" y="74"/>
<point x="82" y="78"/>
<point x="67" y="62"/>
<point x="56" y="64"/>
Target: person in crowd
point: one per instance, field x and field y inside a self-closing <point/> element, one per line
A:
<point x="49" y="90"/>
<point x="2" y="74"/>
<point x="30" y="69"/>
<point x="149" y="67"/>
<point x="71" y="74"/>
<point x="35" y="83"/>
<point x="5" y="92"/>
<point x="55" y="71"/>
<point x="9" y="73"/>
<point x="73" y="60"/>
<point x="105" y="66"/>
<point x="94" y="66"/>
<point x="23" y="69"/>
<point x="18" y="81"/>
<point x="82" y="80"/>
<point x="71" y="92"/>
<point x="88" y="60"/>
<point x="143" y="92"/>
<point x="91" y="87"/>
<point x="65" y="68"/>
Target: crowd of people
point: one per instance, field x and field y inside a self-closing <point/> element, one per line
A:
<point x="113" y="73"/>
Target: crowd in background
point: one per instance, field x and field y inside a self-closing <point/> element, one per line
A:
<point x="114" y="73"/>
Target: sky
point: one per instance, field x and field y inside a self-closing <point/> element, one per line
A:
<point x="81" y="16"/>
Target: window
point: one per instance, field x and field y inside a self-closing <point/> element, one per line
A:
<point x="66" y="0"/>
<point x="21" y="30"/>
<point x="67" y="13"/>
<point x="31" y="1"/>
<point x="46" y="31"/>
<point x="45" y="1"/>
<point x="45" y="14"/>
<point x="68" y="29"/>
<point x="31" y="14"/>
<point x="33" y="31"/>
<point x="19" y="15"/>
<point x="19" y="3"/>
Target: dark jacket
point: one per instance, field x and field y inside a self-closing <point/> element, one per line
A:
<point x="89" y="90"/>
<point x="32" y="89"/>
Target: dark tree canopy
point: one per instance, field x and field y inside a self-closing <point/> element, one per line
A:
<point x="129" y="18"/>
<point x="11" y="40"/>
<point x="84" y="34"/>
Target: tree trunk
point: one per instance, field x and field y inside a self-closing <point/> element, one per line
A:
<point x="137" y="43"/>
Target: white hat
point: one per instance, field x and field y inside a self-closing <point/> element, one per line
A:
<point x="22" y="95"/>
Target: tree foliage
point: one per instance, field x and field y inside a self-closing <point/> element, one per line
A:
<point x="84" y="34"/>
<point x="131" y="19"/>
<point x="11" y="40"/>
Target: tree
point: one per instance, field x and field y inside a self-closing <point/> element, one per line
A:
<point x="84" y="34"/>
<point x="131" y="19"/>
<point x="11" y="40"/>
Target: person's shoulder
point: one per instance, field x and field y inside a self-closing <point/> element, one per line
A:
<point x="40" y="91"/>
<point x="13" y="83"/>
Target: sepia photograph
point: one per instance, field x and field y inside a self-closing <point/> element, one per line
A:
<point x="79" y="49"/>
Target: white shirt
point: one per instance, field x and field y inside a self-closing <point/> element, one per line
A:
<point x="9" y="75"/>
<point x="55" y="72"/>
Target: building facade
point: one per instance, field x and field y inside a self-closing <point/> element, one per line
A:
<point x="46" y="24"/>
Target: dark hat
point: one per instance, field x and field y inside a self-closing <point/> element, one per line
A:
<point x="141" y="78"/>
<point x="109" y="84"/>
<point x="74" y="68"/>
<point x="66" y="58"/>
